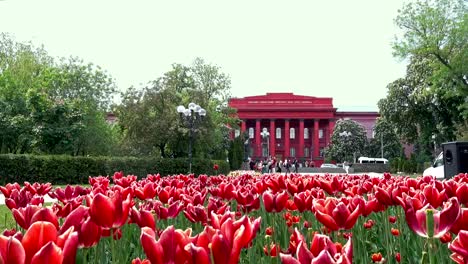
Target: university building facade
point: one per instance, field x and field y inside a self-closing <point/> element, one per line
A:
<point x="297" y="126"/>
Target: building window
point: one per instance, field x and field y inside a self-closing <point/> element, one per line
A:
<point x="306" y="152"/>
<point x="292" y="133"/>
<point x="320" y="133"/>
<point x="278" y="132"/>
<point x="237" y="133"/>
<point x="292" y="152"/>
<point x="251" y="152"/>
<point x="306" y="133"/>
<point x="373" y="132"/>
<point x="251" y="132"/>
<point x="322" y="153"/>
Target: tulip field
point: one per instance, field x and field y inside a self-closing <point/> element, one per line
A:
<point x="269" y="218"/>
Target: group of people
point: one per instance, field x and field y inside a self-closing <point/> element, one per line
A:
<point x="271" y="165"/>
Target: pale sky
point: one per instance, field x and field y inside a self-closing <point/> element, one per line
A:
<point x="325" y="48"/>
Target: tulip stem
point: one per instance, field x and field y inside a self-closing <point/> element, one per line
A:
<point x="113" y="257"/>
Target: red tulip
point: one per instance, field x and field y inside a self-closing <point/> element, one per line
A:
<point x="433" y="196"/>
<point x="392" y="219"/>
<point x="147" y="192"/>
<point x="7" y="189"/>
<point x="447" y="237"/>
<point x="376" y="257"/>
<point x="443" y="220"/>
<point x="398" y="257"/>
<point x="322" y="250"/>
<point x="89" y="234"/>
<point x="11" y="250"/>
<point x="462" y="221"/>
<point x="169" y="248"/>
<point x="459" y="247"/>
<point x="196" y="214"/>
<point x="334" y="214"/>
<point x="395" y="232"/>
<point x="110" y="212"/>
<point x="275" y="202"/>
<point x="42" y="244"/>
<point x="143" y="218"/>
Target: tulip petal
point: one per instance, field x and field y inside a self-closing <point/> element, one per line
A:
<point x="38" y="234"/>
<point x="153" y="250"/>
<point x="102" y="211"/>
<point x="288" y="259"/>
<point x="11" y="250"/>
<point x="50" y="253"/>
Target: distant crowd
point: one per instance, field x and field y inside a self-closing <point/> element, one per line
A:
<point x="272" y="165"/>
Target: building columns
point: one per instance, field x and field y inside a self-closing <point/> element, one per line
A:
<point x="272" y="138"/>
<point x="258" y="139"/>
<point x="316" y="139"/>
<point x="243" y="125"/>
<point x="300" y="151"/>
<point x="286" y="138"/>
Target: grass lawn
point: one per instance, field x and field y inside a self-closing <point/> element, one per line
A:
<point x="6" y="218"/>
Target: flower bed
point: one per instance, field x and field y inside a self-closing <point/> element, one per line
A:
<point x="243" y="219"/>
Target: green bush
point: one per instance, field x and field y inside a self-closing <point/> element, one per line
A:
<point x="76" y="170"/>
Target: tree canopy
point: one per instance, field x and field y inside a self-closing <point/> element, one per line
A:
<point x="431" y="100"/>
<point x="152" y="126"/>
<point x="347" y="142"/>
<point x="48" y="106"/>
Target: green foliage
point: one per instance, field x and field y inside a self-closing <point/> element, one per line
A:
<point x="347" y="142"/>
<point x="61" y="169"/>
<point x="152" y="126"/>
<point x="236" y="153"/>
<point x="431" y="98"/>
<point x="52" y="108"/>
<point x="386" y="137"/>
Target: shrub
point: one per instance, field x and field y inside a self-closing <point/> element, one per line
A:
<point x="75" y="170"/>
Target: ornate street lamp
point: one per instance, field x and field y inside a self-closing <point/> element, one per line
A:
<point x="191" y="117"/>
<point x="266" y="134"/>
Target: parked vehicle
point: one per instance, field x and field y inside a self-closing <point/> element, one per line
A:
<point x="437" y="168"/>
<point x="328" y="165"/>
<point x="372" y="160"/>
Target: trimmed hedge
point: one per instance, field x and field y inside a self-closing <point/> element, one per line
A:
<point x="76" y="170"/>
<point x="369" y="167"/>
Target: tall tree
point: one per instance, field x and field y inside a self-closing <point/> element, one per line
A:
<point x="50" y="107"/>
<point x="152" y="126"/>
<point x="347" y="142"/>
<point x="385" y="141"/>
<point x="437" y="32"/>
<point x="430" y="101"/>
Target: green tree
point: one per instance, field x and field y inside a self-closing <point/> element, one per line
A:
<point x="347" y="142"/>
<point x="386" y="139"/>
<point x="236" y="153"/>
<point x="145" y="112"/>
<point x="50" y="107"/>
<point x="436" y="32"/>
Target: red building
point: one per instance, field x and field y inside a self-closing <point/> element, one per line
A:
<point x="298" y="126"/>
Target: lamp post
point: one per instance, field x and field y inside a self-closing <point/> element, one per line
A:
<point x="266" y="134"/>
<point x="191" y="117"/>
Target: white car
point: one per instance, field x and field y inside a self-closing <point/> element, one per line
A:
<point x="437" y="168"/>
<point x="328" y="165"/>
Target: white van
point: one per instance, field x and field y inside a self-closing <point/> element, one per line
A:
<point x="372" y="160"/>
<point x="437" y="168"/>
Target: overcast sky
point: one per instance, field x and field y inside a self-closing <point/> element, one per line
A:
<point x="340" y="49"/>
